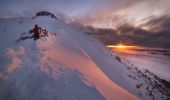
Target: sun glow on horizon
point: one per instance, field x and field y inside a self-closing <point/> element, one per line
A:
<point x="120" y="46"/>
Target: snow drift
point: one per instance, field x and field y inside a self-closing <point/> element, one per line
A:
<point x="68" y="66"/>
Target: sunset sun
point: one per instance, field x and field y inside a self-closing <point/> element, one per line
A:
<point x="120" y="46"/>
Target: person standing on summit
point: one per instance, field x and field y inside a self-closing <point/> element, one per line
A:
<point x="36" y="32"/>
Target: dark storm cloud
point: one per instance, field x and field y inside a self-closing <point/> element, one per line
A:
<point x="157" y="36"/>
<point x="158" y="23"/>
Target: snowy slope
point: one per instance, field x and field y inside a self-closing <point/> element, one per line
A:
<point x="149" y="69"/>
<point x="156" y="60"/>
<point x="158" y="65"/>
<point x="68" y="66"/>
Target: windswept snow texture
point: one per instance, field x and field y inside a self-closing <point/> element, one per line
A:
<point x="155" y="60"/>
<point x="69" y="66"/>
<point x="149" y="70"/>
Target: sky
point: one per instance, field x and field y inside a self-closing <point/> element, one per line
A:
<point x="99" y="13"/>
<point x="73" y="8"/>
<point x="146" y="20"/>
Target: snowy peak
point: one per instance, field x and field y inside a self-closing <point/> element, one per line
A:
<point x="70" y="65"/>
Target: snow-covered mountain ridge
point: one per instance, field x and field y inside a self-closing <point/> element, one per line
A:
<point x="68" y="66"/>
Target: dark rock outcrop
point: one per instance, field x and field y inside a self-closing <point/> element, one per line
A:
<point x="46" y="13"/>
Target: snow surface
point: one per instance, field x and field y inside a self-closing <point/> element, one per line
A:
<point x="69" y="66"/>
<point x="149" y="70"/>
<point x="156" y="62"/>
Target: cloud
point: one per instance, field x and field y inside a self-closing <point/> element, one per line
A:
<point x="157" y="23"/>
<point x="154" y="32"/>
<point x="157" y="35"/>
<point x="130" y="11"/>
